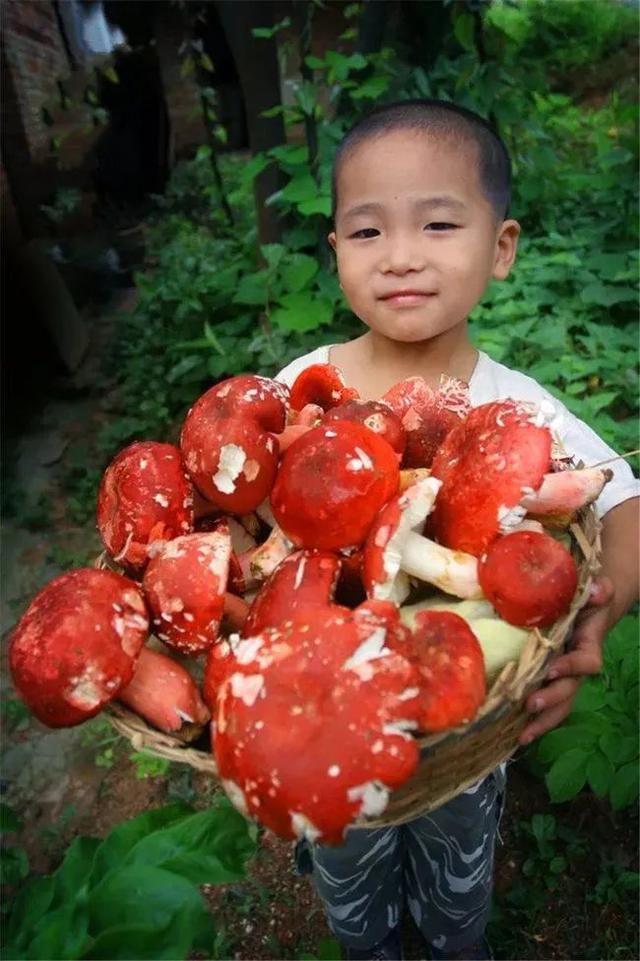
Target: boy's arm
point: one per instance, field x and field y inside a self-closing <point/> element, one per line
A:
<point x="613" y="593"/>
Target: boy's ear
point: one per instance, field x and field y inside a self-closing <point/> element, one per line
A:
<point x="506" y="247"/>
<point x="332" y="239"/>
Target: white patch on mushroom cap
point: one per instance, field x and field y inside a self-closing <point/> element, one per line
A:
<point x="302" y="827"/>
<point x="370" y="649"/>
<point x="161" y="499"/>
<point x="247" y="649"/>
<point x="334" y="770"/>
<point x="510" y="517"/>
<point x="236" y="796"/>
<point x="246" y="687"/>
<point x="86" y="691"/>
<point x="374" y="796"/>
<point x="230" y="463"/>
<point x="364" y="457"/>
<point x="251" y="470"/>
<point x="299" y="573"/>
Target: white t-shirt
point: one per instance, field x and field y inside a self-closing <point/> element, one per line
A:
<point x="493" y="381"/>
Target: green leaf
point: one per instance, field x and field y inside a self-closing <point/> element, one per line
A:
<point x="60" y="934"/>
<point x="298" y="271"/>
<point x="300" y="313"/>
<point x="168" y="905"/>
<point x="606" y="294"/>
<point x="624" y="788"/>
<point x="300" y="188"/>
<point x="567" y="775"/>
<point x="555" y="743"/>
<point x="463" y="30"/>
<point x="14" y="865"/>
<point x="9" y="820"/>
<point x="590" y="697"/>
<point x="619" y="749"/>
<point x="73" y="873"/>
<point x="557" y="865"/>
<point x="119" y="842"/>
<point x="252" y="289"/>
<point x="600" y="772"/>
<point x="209" y="847"/>
<point x="317" y="205"/>
<point x="27" y="911"/>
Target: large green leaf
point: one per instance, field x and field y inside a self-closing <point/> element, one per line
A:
<point x="301" y="313"/>
<point x="567" y="775"/>
<point x="60" y="934"/>
<point x="74" y="872"/>
<point x="115" y="848"/>
<point x="209" y="847"/>
<point x="167" y="905"/>
<point x="297" y="272"/>
<point x="600" y="772"/>
<point x="556" y="743"/>
<point x="624" y="789"/>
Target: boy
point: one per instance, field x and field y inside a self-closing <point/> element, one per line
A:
<point x="421" y="195"/>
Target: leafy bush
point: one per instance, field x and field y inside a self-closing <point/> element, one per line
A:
<point x="598" y="744"/>
<point x="135" y="893"/>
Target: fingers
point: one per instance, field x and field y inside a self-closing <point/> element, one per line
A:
<point x="544" y="722"/>
<point x="601" y="591"/>
<point x="584" y="660"/>
<point x="553" y="695"/>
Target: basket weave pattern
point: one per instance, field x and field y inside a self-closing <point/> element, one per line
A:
<point x="454" y="760"/>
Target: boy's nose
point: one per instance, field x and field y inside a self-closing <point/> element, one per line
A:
<point x="401" y="257"/>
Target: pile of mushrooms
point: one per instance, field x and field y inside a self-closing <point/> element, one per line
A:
<point x="347" y="574"/>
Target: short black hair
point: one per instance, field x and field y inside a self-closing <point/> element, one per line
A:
<point x="444" y="120"/>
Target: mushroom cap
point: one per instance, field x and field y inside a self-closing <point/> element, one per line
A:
<point x="427" y="415"/>
<point x="382" y="575"/>
<point x="184" y="585"/>
<point x="145" y="495"/>
<point x="311" y="726"/>
<point x="331" y="484"/>
<point x="228" y="444"/>
<point x="450" y="662"/>
<point x="75" y="647"/>
<point x="375" y="415"/>
<point x="486" y="464"/>
<point x="529" y="577"/>
<point x="304" y="578"/>
<point x="322" y="385"/>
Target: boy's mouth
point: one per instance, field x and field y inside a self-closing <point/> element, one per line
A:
<point x="406" y="298"/>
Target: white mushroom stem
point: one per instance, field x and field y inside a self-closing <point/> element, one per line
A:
<point x="265" y="513"/>
<point x="567" y="490"/>
<point x="265" y="558"/>
<point x="454" y="572"/>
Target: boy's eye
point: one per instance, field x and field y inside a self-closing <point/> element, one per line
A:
<point x="439" y="225"/>
<point x="365" y="233"/>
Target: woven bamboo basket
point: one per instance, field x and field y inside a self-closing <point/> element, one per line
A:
<point x="454" y="760"/>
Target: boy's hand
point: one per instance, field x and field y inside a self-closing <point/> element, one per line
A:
<point x="551" y="704"/>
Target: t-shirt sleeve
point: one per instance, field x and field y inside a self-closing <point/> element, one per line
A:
<point x="494" y="381"/>
<point x="289" y="373"/>
<point x="585" y="445"/>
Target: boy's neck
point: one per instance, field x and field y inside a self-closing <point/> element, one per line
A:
<point x="374" y="363"/>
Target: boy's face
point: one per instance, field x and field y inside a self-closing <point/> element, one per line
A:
<point x="415" y="238"/>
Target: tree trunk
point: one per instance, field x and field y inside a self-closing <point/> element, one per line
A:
<point x="257" y="63"/>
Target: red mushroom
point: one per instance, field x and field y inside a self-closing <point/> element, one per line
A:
<point x="76" y="646"/>
<point x="322" y="385"/>
<point x="499" y="453"/>
<point x="530" y="578"/>
<point x="185" y="584"/>
<point x="303" y="579"/>
<point x="312" y="731"/>
<point x="164" y="694"/>
<point x="331" y="484"/>
<point x="427" y="415"/>
<point x="565" y="492"/>
<point x="229" y="444"/>
<point x="395" y="549"/>
<point x="375" y="415"/>
<point x="450" y="662"/>
<point x="145" y="495"/>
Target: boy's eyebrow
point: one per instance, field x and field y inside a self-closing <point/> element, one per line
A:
<point x="423" y="203"/>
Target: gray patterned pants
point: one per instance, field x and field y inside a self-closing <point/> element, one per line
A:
<point x="442" y="863"/>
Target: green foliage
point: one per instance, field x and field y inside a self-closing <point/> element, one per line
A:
<point x="328" y="950"/>
<point x="135" y="893"/>
<point x="598" y="744"/>
<point x="554" y="845"/>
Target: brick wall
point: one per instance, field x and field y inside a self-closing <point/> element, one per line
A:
<point x="37" y="57"/>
